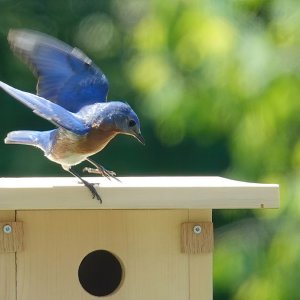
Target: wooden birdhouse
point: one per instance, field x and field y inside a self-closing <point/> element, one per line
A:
<point x="151" y="238"/>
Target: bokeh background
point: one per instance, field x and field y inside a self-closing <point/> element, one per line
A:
<point x="216" y="85"/>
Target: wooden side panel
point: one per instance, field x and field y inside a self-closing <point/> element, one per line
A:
<point x="7" y="266"/>
<point x="201" y="265"/>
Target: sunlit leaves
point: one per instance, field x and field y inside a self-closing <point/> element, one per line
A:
<point x="201" y="36"/>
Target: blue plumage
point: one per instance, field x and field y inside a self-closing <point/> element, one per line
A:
<point x="66" y="75"/>
<point x="48" y="110"/>
<point x="39" y="139"/>
<point x="72" y="94"/>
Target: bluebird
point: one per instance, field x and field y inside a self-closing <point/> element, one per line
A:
<point x="71" y="94"/>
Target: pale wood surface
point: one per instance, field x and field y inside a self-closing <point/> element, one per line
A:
<point x="7" y="266"/>
<point x="136" y="193"/>
<point x="11" y="242"/>
<point x="146" y="241"/>
<point x="194" y="243"/>
<point x="201" y="265"/>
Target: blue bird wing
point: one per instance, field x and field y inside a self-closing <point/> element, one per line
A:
<point x="49" y="110"/>
<point x="66" y="76"/>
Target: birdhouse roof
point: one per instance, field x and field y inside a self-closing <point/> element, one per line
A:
<point x="136" y="193"/>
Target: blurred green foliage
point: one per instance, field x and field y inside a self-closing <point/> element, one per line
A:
<point x="216" y="85"/>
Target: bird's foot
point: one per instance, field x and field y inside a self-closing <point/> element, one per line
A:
<point x="92" y="189"/>
<point x="101" y="170"/>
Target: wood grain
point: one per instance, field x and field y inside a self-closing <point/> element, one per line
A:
<point x="13" y="241"/>
<point x="201" y="266"/>
<point x="136" y="193"/>
<point x="195" y="243"/>
<point x="7" y="266"/>
<point x="147" y="242"/>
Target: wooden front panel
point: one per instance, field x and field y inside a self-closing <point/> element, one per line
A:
<point x="146" y="241"/>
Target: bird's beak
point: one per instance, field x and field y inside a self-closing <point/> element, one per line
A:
<point x="139" y="137"/>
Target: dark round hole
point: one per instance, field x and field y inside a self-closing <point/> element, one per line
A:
<point x="100" y="273"/>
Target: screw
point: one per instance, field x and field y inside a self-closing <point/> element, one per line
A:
<point x="197" y="229"/>
<point x="7" y="229"/>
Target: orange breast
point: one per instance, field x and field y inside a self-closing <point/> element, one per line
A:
<point x="68" y="144"/>
<point x="94" y="141"/>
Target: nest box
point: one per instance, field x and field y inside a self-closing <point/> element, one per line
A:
<point x="152" y="238"/>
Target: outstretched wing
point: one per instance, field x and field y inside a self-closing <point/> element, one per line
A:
<point x="48" y="110"/>
<point x="66" y="76"/>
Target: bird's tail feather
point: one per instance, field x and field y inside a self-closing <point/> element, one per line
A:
<point x="40" y="139"/>
<point x="21" y="137"/>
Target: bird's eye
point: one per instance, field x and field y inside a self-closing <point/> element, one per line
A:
<point x="131" y="123"/>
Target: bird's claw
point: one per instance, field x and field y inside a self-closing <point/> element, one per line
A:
<point x="95" y="193"/>
<point x="93" y="190"/>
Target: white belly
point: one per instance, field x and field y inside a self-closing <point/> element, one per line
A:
<point x="70" y="159"/>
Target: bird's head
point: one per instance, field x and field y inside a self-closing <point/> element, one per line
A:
<point x="126" y="120"/>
